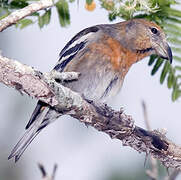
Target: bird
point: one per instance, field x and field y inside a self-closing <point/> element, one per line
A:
<point x="102" y="54"/>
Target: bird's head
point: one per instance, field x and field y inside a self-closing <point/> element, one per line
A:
<point x="146" y="38"/>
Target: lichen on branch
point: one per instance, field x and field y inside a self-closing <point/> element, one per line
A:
<point x="103" y="118"/>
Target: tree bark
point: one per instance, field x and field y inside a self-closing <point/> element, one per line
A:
<point x="15" y="16"/>
<point x="114" y="123"/>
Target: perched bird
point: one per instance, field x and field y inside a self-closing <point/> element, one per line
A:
<point x="103" y="55"/>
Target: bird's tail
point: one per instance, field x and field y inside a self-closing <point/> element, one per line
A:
<point x="41" y="117"/>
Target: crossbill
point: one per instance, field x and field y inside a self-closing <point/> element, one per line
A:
<point x="102" y="54"/>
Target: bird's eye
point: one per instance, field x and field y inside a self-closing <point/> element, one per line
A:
<point x="154" y="30"/>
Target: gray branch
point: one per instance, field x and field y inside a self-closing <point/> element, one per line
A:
<point x="26" y="80"/>
<point x="114" y="123"/>
<point x="153" y="171"/>
<point x="17" y="15"/>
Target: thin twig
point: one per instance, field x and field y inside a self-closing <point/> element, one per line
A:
<point x="17" y="15"/>
<point x="173" y="175"/>
<point x="42" y="169"/>
<point x="54" y="171"/>
<point x="153" y="172"/>
<point x="44" y="173"/>
<point x="145" y="113"/>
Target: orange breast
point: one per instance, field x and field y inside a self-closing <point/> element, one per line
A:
<point x="120" y="57"/>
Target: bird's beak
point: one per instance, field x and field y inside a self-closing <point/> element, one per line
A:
<point x="164" y="51"/>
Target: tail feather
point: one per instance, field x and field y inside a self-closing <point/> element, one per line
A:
<point x="37" y="111"/>
<point x="29" y="135"/>
<point x="29" y="140"/>
<point x="19" y="152"/>
<point x="41" y="117"/>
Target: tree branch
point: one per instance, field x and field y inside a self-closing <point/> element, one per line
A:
<point x="114" y="123"/>
<point x="174" y="174"/>
<point x="17" y="15"/>
<point x="25" y="79"/>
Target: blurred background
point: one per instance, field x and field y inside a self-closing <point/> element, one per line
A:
<point x="81" y="153"/>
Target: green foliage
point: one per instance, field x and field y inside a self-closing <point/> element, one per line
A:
<point x="43" y="17"/>
<point x="157" y="65"/>
<point x="63" y="12"/>
<point x="89" y="1"/>
<point x="160" y="11"/>
<point x="164" y="72"/>
<point x="169" y="19"/>
<point x="24" y="23"/>
<point x="18" y="4"/>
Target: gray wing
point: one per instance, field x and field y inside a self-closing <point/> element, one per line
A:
<point x="75" y="45"/>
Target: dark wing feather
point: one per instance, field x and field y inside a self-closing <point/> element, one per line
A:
<point x="77" y="43"/>
<point x="40" y="106"/>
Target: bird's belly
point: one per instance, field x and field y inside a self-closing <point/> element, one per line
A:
<point x="95" y="86"/>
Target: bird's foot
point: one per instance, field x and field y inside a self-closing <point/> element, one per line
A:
<point x="62" y="77"/>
